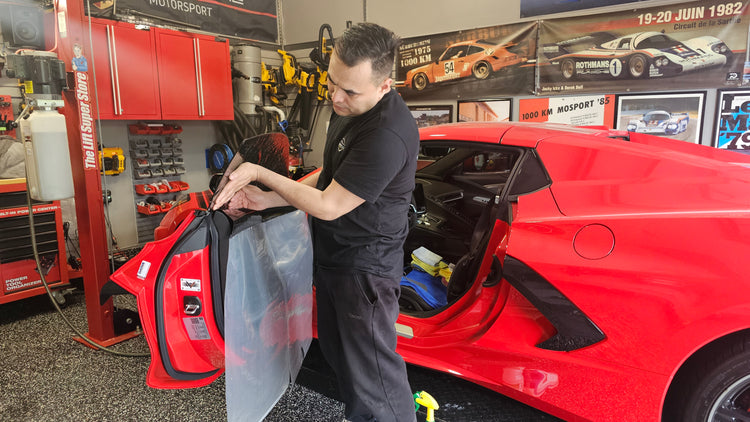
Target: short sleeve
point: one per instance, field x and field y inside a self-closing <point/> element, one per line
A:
<point x="373" y="160"/>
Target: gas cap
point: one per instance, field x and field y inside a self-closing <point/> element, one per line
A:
<point x="594" y="241"/>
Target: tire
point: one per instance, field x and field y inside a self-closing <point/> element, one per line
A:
<point x="638" y="66"/>
<point x="420" y="81"/>
<point x="568" y="69"/>
<point x="720" y="389"/>
<point x="482" y="70"/>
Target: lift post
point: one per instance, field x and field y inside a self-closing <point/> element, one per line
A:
<point x="80" y="116"/>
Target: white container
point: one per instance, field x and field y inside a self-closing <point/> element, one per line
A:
<point x="48" y="170"/>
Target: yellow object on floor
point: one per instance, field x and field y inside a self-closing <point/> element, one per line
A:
<point x="424" y="399"/>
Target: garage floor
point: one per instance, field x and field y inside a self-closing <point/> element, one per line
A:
<point x="46" y="376"/>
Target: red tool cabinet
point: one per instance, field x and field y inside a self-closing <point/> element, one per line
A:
<point x="19" y="277"/>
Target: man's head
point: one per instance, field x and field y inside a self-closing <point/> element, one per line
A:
<point x="360" y="68"/>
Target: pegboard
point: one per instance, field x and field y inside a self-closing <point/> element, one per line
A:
<point x="157" y="166"/>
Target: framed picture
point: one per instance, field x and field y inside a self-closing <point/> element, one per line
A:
<point x="675" y="115"/>
<point x="732" y="129"/>
<point x="496" y="110"/>
<point x="430" y="115"/>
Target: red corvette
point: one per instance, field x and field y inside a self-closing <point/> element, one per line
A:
<point x="595" y="273"/>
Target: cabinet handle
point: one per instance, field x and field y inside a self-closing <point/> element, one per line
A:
<point x="113" y="70"/>
<point x="199" y="76"/>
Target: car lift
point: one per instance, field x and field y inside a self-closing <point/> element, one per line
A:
<point x="72" y="29"/>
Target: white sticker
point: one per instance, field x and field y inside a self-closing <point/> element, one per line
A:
<point x="196" y="328"/>
<point x="143" y="269"/>
<point x="190" y="284"/>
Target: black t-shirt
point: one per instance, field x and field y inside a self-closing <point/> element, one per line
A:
<point x="374" y="156"/>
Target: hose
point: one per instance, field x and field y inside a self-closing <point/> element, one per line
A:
<point x="52" y="298"/>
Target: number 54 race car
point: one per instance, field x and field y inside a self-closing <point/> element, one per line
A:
<point x="639" y="55"/>
<point x="463" y="59"/>
<point x="590" y="273"/>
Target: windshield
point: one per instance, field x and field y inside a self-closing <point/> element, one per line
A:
<point x="659" y="42"/>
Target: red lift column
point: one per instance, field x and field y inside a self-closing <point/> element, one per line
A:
<point x="80" y="113"/>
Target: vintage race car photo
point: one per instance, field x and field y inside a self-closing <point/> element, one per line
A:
<point x="592" y="274"/>
<point x="477" y="58"/>
<point x="660" y="122"/>
<point x="638" y="55"/>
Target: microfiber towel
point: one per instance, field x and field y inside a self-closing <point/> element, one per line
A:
<point x="428" y="287"/>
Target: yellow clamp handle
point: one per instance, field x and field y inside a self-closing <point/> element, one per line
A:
<point x="426" y="400"/>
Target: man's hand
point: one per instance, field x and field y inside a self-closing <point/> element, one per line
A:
<point x="240" y="178"/>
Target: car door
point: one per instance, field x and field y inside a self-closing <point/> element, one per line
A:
<point x="467" y="222"/>
<point x="450" y="63"/>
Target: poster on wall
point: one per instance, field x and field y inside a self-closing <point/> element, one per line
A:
<point x="498" y="60"/>
<point x="697" y="44"/>
<point x="247" y="19"/>
<point x="586" y="110"/>
<point x="485" y="110"/>
<point x="676" y="115"/>
<point x="547" y="7"/>
<point x="732" y="129"/>
<point x="431" y="115"/>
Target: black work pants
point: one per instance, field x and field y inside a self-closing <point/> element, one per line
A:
<point x="356" y="316"/>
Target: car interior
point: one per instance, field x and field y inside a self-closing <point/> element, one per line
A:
<point x="451" y="214"/>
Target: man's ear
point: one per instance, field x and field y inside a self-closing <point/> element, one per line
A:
<point x="385" y="86"/>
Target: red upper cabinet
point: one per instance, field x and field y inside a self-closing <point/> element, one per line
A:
<point x="125" y="71"/>
<point x="195" y="80"/>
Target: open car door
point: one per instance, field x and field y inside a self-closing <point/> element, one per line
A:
<point x="221" y="294"/>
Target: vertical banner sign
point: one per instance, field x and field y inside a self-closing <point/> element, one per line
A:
<point x="732" y="126"/>
<point x="696" y="44"/>
<point x="248" y="19"/>
<point x="471" y="64"/>
<point x="591" y="110"/>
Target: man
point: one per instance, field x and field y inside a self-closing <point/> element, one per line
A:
<point x="358" y="205"/>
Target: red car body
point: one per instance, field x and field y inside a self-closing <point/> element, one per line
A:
<point x="597" y="273"/>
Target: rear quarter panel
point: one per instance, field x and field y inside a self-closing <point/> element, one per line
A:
<point x="674" y="278"/>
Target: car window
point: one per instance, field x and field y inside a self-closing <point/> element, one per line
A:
<point x="474" y="49"/>
<point x="656" y="116"/>
<point x="624" y="44"/>
<point x="658" y="42"/>
<point x="454" y="52"/>
<point x="485" y="168"/>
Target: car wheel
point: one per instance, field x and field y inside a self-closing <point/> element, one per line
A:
<point x="568" y="68"/>
<point x="420" y="81"/>
<point x="721" y="388"/>
<point x="637" y="66"/>
<point x="482" y="70"/>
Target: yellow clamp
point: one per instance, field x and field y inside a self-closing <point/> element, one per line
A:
<point x="424" y="399"/>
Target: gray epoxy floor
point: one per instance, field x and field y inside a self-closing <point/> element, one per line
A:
<point x="47" y="376"/>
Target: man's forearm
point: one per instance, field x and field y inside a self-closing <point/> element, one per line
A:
<point x="326" y="205"/>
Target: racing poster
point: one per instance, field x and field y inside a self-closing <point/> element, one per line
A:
<point x="733" y="120"/>
<point x="248" y="19"/>
<point x="697" y="44"/>
<point x="585" y="110"/>
<point x="477" y="63"/>
<point x="677" y="115"/>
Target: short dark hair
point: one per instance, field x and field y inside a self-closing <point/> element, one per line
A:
<point x="368" y="41"/>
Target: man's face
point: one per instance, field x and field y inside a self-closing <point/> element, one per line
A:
<point x="352" y="89"/>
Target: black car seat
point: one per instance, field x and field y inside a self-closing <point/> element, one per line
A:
<point x="468" y="265"/>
